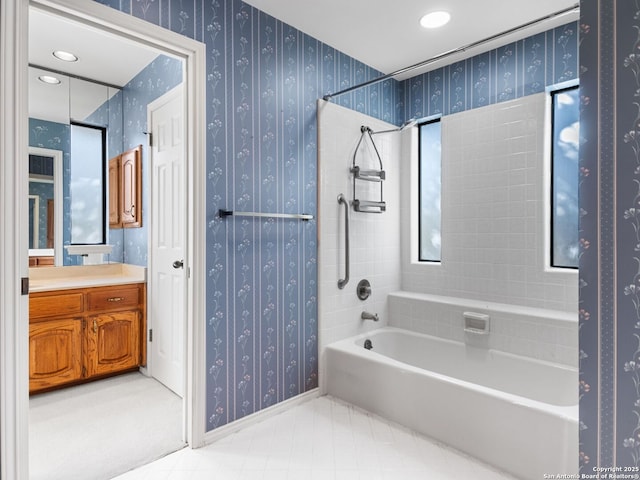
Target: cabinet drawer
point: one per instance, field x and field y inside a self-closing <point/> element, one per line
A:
<point x="114" y="298"/>
<point x="54" y="305"/>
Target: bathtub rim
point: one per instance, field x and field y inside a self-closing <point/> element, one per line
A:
<point x="543" y="315"/>
<point x="349" y="346"/>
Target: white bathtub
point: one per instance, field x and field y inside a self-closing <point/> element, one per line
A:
<point x="516" y="413"/>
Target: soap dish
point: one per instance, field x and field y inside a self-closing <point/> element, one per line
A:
<point x="476" y="323"/>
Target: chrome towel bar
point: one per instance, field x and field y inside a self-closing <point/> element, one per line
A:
<point x="296" y="216"/>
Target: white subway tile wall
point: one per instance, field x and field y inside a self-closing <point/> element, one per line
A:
<point x="493" y="235"/>
<point x="549" y="335"/>
<point x="493" y="211"/>
<point x="374" y="238"/>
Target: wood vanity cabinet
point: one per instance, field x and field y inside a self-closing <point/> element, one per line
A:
<point x="125" y="189"/>
<point x="114" y="193"/>
<point x="41" y="261"/>
<point x="55" y="353"/>
<point x="113" y="340"/>
<point x="81" y="334"/>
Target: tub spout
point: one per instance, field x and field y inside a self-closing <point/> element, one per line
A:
<point x="369" y="316"/>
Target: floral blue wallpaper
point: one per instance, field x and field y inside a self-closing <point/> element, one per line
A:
<point x="589" y="303"/>
<point x="263" y="80"/>
<point x="610" y="237"/>
<point x="512" y="71"/>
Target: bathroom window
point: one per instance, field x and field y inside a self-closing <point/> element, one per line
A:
<point x="564" y="177"/>
<point x="86" y="185"/>
<point x="429" y="191"/>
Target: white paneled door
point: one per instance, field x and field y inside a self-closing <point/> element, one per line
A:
<point x="167" y="271"/>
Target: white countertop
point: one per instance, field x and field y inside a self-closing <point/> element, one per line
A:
<point x="43" y="279"/>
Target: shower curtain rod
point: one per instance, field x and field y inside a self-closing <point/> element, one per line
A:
<point x="424" y="63"/>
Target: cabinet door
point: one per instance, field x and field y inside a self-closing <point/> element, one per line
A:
<point x="131" y="187"/>
<point x="55" y="353"/>
<point x="113" y="342"/>
<point x="114" y="193"/>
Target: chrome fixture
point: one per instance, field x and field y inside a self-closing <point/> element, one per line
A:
<point x="369" y="316"/>
<point x="368" y="345"/>
<point x="364" y="289"/>
<point x="343" y="282"/>
<point x="454" y="51"/>
<point x="409" y="123"/>
<point x="295" y="216"/>
<point x="367" y="206"/>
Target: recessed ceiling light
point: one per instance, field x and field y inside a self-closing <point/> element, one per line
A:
<point x="65" y="56"/>
<point x="435" y="19"/>
<point x="49" y="79"/>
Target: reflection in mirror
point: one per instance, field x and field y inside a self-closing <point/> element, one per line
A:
<point x="102" y="90"/>
<point x="54" y="112"/>
<point x="34" y="221"/>
<point x="45" y="204"/>
<point x="87" y="184"/>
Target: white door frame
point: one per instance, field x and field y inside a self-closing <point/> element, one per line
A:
<point x="14" y="352"/>
<point x="14" y="328"/>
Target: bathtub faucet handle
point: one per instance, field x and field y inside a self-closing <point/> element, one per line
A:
<point x="369" y="316"/>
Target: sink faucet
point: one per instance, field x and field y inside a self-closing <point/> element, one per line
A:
<point x="369" y="316"/>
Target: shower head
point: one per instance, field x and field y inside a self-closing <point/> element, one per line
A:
<point x="409" y="123"/>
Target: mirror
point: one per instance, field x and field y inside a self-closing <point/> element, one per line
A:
<point x="109" y="86"/>
<point x="58" y="111"/>
<point x="45" y="204"/>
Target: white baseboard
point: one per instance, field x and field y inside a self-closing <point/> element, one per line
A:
<point x="257" y="417"/>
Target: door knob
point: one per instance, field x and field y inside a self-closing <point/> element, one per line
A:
<point x="178" y="264"/>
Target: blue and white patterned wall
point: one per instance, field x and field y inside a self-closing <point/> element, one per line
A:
<point x="610" y="235"/>
<point x="515" y="70"/>
<point x="263" y="79"/>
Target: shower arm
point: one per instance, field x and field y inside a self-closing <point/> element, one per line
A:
<point x="448" y="53"/>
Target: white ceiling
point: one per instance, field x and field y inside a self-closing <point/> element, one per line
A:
<point x="102" y="57"/>
<point x="387" y="35"/>
<point x="382" y="34"/>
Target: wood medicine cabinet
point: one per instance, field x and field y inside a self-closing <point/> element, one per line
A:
<point x="125" y="189"/>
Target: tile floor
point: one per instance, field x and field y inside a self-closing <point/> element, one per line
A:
<point x="323" y="439"/>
